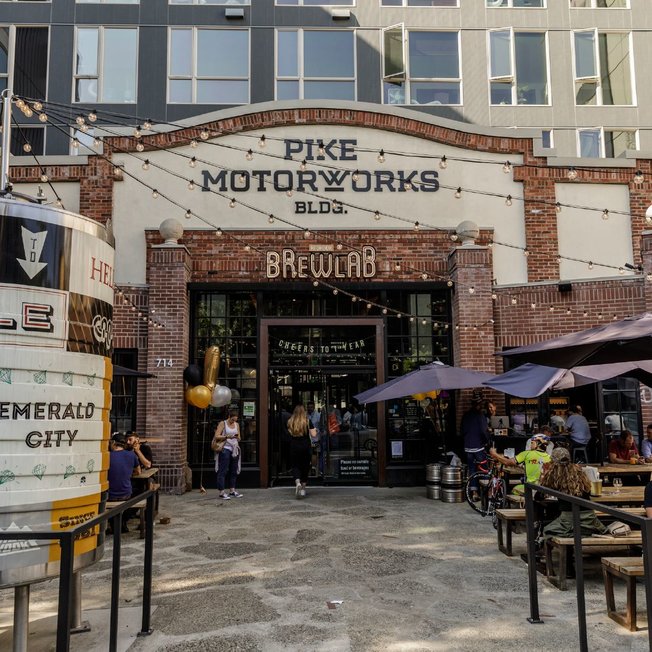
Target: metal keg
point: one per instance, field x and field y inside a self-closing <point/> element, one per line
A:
<point x="433" y="491"/>
<point x="451" y="480"/>
<point x="433" y="473"/>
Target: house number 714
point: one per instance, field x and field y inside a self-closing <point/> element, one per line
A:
<point x="164" y="362"/>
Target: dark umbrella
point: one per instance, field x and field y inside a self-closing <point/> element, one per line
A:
<point x="618" y="341"/>
<point x="125" y="371"/>
<point x="425" y="379"/>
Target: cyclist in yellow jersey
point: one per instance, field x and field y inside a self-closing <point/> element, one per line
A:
<point x="533" y="461"/>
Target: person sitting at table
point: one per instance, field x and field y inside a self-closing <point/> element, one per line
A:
<point x="533" y="460"/>
<point x="142" y="449"/>
<point x="569" y="478"/>
<point x="123" y="464"/>
<point x="623" y="449"/>
<point x="577" y="427"/>
<point x="646" y="446"/>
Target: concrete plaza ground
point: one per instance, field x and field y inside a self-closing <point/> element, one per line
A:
<point x="257" y="574"/>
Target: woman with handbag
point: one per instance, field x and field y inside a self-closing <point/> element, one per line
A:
<point x="226" y="445"/>
<point x="301" y="435"/>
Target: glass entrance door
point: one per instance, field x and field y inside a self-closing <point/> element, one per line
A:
<point x="345" y="451"/>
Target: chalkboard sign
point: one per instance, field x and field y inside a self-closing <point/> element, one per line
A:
<point x="355" y="468"/>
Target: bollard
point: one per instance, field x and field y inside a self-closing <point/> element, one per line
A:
<point x="78" y="626"/>
<point x="21" y="617"/>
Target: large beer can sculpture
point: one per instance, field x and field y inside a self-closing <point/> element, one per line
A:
<point x="56" y="309"/>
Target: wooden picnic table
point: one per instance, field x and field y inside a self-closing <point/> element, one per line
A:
<point x="623" y="469"/>
<point x="625" y="495"/>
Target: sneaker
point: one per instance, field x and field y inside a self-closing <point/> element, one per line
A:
<point x="302" y="493"/>
<point x="225" y="497"/>
<point x="235" y="494"/>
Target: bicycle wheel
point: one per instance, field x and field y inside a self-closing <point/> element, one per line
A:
<point x="478" y="480"/>
<point x="497" y="501"/>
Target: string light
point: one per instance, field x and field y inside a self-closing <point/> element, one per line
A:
<point x="155" y="193"/>
<point x="397" y="266"/>
<point x="507" y="167"/>
<point x="508" y="200"/>
<point x="335" y="291"/>
<point x="514" y="301"/>
<point x="605" y="214"/>
<point x="219" y="232"/>
<point x="43" y="117"/>
<point x="137" y="132"/>
<point x="471" y="290"/>
<point x="320" y="148"/>
<point x="533" y="305"/>
<point x="424" y="276"/>
<point x="147" y="125"/>
<point x="92" y="116"/>
<point x="191" y="185"/>
<point x="28" y="148"/>
<point x="262" y="142"/>
<point x="381" y="156"/>
<point x="590" y="264"/>
<point x="193" y="143"/>
<point x="458" y="193"/>
<point x="38" y="106"/>
<point x="376" y="215"/>
<point x="140" y="147"/>
<point x="638" y="177"/>
<point x="443" y="163"/>
<point x="306" y="234"/>
<point x="558" y="207"/>
<point x="188" y="214"/>
<point x="249" y="155"/>
<point x="203" y="134"/>
<point x="80" y="120"/>
<point x="193" y="162"/>
<point x="270" y="219"/>
<point x="356" y="175"/>
<point x="572" y="173"/>
<point x="96" y="142"/>
<point x="145" y="165"/>
<point x="303" y="165"/>
<point x="232" y="203"/>
<point x="315" y="283"/>
<point x="416" y="226"/>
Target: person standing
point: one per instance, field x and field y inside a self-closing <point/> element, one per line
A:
<point x="315" y="419"/>
<point x="300" y="449"/>
<point x="227" y="457"/>
<point x="476" y="437"/>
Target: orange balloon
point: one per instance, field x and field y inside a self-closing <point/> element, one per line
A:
<point x="419" y="397"/>
<point x="199" y="396"/>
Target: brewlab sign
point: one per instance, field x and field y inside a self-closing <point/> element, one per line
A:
<point x="287" y="263"/>
<point x="321" y="180"/>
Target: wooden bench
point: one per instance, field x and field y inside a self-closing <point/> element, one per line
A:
<point x="628" y="569"/>
<point x="557" y="576"/>
<point x="140" y="506"/>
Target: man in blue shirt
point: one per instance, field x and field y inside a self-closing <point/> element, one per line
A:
<point x="476" y="436"/>
<point x="646" y="446"/>
<point x="577" y="427"/>
<point x="123" y="464"/>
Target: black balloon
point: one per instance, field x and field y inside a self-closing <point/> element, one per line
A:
<point x="192" y="374"/>
<point x="235" y="395"/>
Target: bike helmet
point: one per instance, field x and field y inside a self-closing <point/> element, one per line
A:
<point x="541" y="442"/>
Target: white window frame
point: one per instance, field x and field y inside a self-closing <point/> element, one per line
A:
<point x="300" y="76"/>
<point x="405" y="76"/>
<point x="511" y="78"/>
<point x="603" y="143"/>
<point x="247" y="3"/>
<point x="593" y="4"/>
<point x="193" y="77"/>
<point x="498" y="4"/>
<point x="598" y="76"/>
<point x="107" y="2"/>
<point x="100" y="63"/>
<point x="405" y="3"/>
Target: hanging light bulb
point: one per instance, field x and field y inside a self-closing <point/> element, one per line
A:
<point x="137" y="132"/>
<point x="193" y="162"/>
<point x="193" y="143"/>
<point x="203" y="134"/>
<point x="569" y="311"/>
<point x="590" y="264"/>
<point x="356" y="175"/>
<point x="376" y="215"/>
<point x="247" y="247"/>
<point x="219" y="233"/>
<point x="232" y="203"/>
<point x="454" y="237"/>
<point x="315" y="283"/>
<point x="303" y="165"/>
<point x="262" y="142"/>
<point x="494" y="296"/>
<point x="92" y="116"/>
<point x="188" y="214"/>
<point x="398" y="315"/>
<point x="407" y="185"/>
<point x="289" y="192"/>
<point x="339" y="246"/>
<point x="306" y="234"/>
<point x="28" y="148"/>
<point x="514" y="301"/>
<point x="42" y="117"/>
<point x="28" y="111"/>
<point x="490" y="244"/>
<point x="471" y="290"/>
<point x="416" y="226"/>
<point x="191" y="185"/>
<point x="552" y="309"/>
<point x="572" y="173"/>
<point x="368" y="306"/>
<point x="80" y="120"/>
<point x="59" y="203"/>
<point x="354" y="299"/>
<point x="449" y="283"/>
<point x="397" y="266"/>
<point x="140" y="147"/>
<point x="638" y="177"/>
<point x="20" y="103"/>
<point x="526" y="253"/>
<point x="558" y="207"/>
<point x="155" y="194"/>
<point x="443" y="163"/>
<point x="249" y="155"/>
<point x="381" y="156"/>
<point x="44" y="178"/>
<point x="605" y="214"/>
<point x="558" y="260"/>
<point x="458" y="193"/>
<point x="75" y="143"/>
<point x="145" y="165"/>
<point x="84" y="128"/>
<point x="320" y="148"/>
<point x="648" y="277"/>
<point x="270" y="219"/>
<point x="507" y="167"/>
<point x="533" y="305"/>
<point x="147" y="125"/>
<point x="335" y="291"/>
<point x="508" y="200"/>
<point x="424" y="276"/>
<point x="621" y="270"/>
<point x="38" y="106"/>
<point x="97" y="142"/>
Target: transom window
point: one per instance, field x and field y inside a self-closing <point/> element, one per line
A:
<point x="518" y="67"/>
<point x="516" y="4"/>
<point x="605" y="143"/>
<point x="419" y="3"/>
<point x="600" y="4"/>
<point x="603" y="74"/>
<point x="105" y="64"/>
<point x="427" y="71"/>
<point x="315" y="64"/>
<point x="208" y="66"/>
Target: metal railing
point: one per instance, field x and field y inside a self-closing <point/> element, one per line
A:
<point x="577" y="504"/>
<point x="67" y="540"/>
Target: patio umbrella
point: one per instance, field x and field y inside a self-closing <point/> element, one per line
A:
<point x="425" y="379"/>
<point x="626" y="340"/>
<point x="125" y="371"/>
<point x="530" y="380"/>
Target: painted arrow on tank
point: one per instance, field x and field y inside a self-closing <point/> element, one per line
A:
<point x="33" y="244"/>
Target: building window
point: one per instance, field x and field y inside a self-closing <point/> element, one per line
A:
<point x="603" y="74"/>
<point x="27" y="141"/>
<point x="429" y="74"/>
<point x="547" y="139"/>
<point x="317" y="3"/>
<point x="599" y="4"/>
<point x="108" y="2"/>
<point x="518" y="67"/>
<point x="208" y="66"/>
<point x="105" y="64"/>
<point x="82" y="143"/>
<point x="419" y="3"/>
<point x="24" y="59"/>
<point x="517" y="4"/>
<point x="206" y="2"/>
<point x="605" y="143"/>
<point x="315" y="64"/>
<point x="621" y="406"/>
<point x="124" y="392"/>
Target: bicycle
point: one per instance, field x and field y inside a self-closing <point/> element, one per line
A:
<point x="493" y="489"/>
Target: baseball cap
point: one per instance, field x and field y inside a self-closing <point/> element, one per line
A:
<point x="119" y="438"/>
